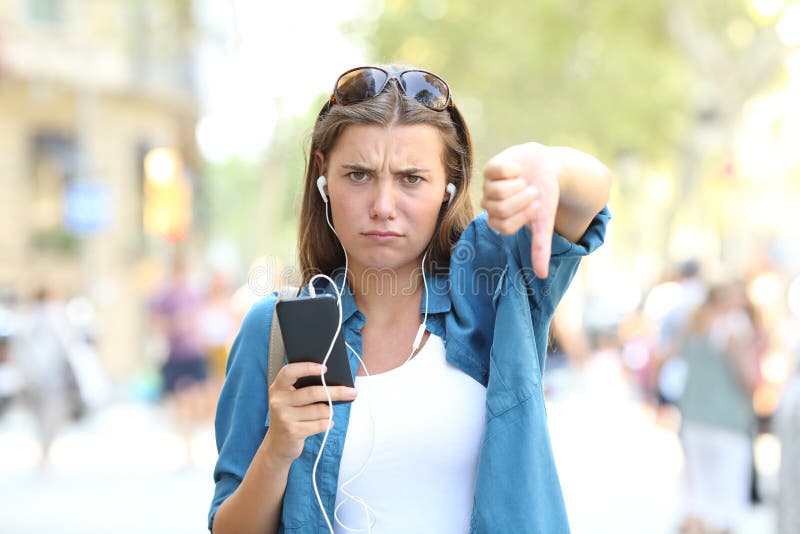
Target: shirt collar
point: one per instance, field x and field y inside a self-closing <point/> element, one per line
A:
<point x="438" y="294"/>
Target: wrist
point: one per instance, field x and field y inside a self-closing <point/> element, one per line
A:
<point x="271" y="458"/>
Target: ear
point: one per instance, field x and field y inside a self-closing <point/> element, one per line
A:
<point x="319" y="160"/>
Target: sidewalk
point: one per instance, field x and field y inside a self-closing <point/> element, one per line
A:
<point x="620" y="472"/>
<point x="122" y="470"/>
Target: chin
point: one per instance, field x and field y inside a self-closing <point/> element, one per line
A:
<point x="384" y="261"/>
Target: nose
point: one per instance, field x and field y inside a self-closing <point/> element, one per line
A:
<point x="384" y="203"/>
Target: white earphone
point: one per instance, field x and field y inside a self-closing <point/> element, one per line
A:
<point x="322" y="182"/>
<point x="451" y="188"/>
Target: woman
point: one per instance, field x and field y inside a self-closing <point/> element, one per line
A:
<point x="457" y="439"/>
<point x="717" y="419"/>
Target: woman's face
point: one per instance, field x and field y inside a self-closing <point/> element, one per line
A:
<point x="386" y="187"/>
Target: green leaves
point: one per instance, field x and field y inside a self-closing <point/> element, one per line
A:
<point x="549" y="70"/>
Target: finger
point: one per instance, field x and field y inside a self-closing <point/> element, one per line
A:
<point x="302" y="429"/>
<point x="312" y="412"/>
<point x="289" y="374"/>
<point x="312" y="394"/>
<point x="511" y="224"/>
<point x="503" y="189"/>
<point x="542" y="236"/>
<point x="504" y="209"/>
<point x="499" y="168"/>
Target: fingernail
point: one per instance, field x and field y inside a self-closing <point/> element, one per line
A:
<point x="324" y="368"/>
<point x="351" y="392"/>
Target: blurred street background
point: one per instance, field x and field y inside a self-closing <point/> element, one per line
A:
<point x="151" y="158"/>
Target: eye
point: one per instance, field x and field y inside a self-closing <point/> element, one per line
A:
<point x="358" y="176"/>
<point x="412" y="179"/>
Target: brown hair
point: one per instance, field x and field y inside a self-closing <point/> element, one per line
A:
<point x="318" y="247"/>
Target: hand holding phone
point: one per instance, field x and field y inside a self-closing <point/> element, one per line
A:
<point x="308" y="325"/>
<point x="296" y="414"/>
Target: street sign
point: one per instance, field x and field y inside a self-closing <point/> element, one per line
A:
<point x="87" y="208"/>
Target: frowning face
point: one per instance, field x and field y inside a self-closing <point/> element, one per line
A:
<point x="386" y="186"/>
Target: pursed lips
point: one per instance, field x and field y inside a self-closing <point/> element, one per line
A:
<point x="381" y="235"/>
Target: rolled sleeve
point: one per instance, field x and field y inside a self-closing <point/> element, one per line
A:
<point x="565" y="257"/>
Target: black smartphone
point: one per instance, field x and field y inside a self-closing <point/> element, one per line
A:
<point x="307" y="326"/>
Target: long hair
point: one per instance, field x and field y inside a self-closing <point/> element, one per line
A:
<point x="318" y="248"/>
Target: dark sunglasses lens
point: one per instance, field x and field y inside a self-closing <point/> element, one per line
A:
<point x="426" y="88"/>
<point x="359" y="85"/>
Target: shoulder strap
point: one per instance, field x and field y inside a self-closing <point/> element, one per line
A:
<point x="277" y="352"/>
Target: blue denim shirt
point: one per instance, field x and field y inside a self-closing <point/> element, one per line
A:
<point x="494" y="315"/>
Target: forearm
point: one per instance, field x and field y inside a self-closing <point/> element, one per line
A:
<point x="256" y="504"/>
<point x="584" y="188"/>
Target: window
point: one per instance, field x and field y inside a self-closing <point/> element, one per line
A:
<point x="54" y="167"/>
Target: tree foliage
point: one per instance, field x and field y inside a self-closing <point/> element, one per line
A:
<point x="599" y="75"/>
<point x="655" y="85"/>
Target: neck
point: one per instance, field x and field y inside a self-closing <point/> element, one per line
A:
<point x="383" y="295"/>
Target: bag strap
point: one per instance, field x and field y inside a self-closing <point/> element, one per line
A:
<point x="277" y="352"/>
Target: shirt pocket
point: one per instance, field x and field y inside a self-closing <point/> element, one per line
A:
<point x="513" y="364"/>
<point x="502" y="395"/>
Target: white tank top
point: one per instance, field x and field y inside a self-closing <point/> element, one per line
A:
<point x="429" y="422"/>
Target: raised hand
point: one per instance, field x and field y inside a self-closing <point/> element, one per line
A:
<point x="521" y="187"/>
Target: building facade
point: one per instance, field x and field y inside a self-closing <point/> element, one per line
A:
<point x="87" y="88"/>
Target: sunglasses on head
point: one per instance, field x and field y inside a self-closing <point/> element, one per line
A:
<point x="362" y="83"/>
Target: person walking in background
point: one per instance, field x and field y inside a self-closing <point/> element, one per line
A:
<point x="40" y="349"/>
<point x="175" y="313"/>
<point x="217" y="328"/>
<point x="687" y="292"/>
<point x="787" y="425"/>
<point x="716" y="409"/>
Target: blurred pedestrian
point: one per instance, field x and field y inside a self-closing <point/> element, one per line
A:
<point x="716" y="409"/>
<point x="175" y="312"/>
<point x="40" y="349"/>
<point x="788" y="427"/>
<point x="217" y="328"/>
<point x="11" y="380"/>
<point x="684" y="295"/>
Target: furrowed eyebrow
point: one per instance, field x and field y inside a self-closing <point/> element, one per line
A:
<point x="401" y="172"/>
<point x="411" y="170"/>
<point x="358" y="168"/>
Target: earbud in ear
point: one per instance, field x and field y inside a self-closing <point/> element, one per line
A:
<point x="321" y="183"/>
<point x="451" y="188"/>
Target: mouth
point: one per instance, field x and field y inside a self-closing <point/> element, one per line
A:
<point x="380" y="235"/>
